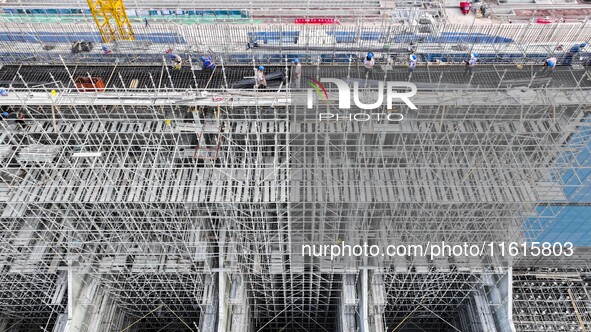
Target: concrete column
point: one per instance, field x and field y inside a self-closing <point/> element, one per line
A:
<point x="500" y="297"/>
<point x="76" y="310"/>
<point x="223" y="306"/>
<point x="363" y="302"/>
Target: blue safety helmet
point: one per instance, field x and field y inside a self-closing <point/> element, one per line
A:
<point x="296" y="60"/>
<point x="261" y="68"/>
<point x="583" y="44"/>
<point x="5" y="114"/>
<point x="369" y="55"/>
<point x="551" y="63"/>
<point x="413" y="57"/>
<point x="172" y="56"/>
<point x="104" y="48"/>
<point x="202" y="58"/>
<point x="474" y="55"/>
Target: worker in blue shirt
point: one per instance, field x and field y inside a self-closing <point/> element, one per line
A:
<point x="577" y="47"/>
<point x="18" y="117"/>
<point x="572" y="53"/>
<point x="207" y="62"/>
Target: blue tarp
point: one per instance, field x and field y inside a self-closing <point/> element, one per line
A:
<point x="446" y="37"/>
<point x="265" y="37"/>
<point x="482" y="57"/>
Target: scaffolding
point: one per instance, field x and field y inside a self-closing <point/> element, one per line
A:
<point x="173" y="200"/>
<point x="43" y="42"/>
<point x="166" y="204"/>
<point x="552" y="300"/>
<point x="231" y="10"/>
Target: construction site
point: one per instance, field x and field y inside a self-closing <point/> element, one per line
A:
<point x="145" y="189"/>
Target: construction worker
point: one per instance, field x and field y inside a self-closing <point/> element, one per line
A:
<point x="577" y="48"/>
<point x="252" y="43"/>
<point x="572" y="53"/>
<point x="18" y="117"/>
<point x="296" y="73"/>
<point x="470" y="64"/>
<point x="207" y="62"/>
<point x="260" y="80"/>
<point x="550" y="64"/>
<point x="368" y="62"/>
<point x="82" y="46"/>
<point x="412" y="63"/>
<point x="176" y="60"/>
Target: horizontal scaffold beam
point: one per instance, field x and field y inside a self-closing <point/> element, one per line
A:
<point x="542" y="97"/>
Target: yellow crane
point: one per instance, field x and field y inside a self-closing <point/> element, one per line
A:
<point x="111" y="19"/>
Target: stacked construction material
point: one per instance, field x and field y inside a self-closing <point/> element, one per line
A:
<point x="38" y="153"/>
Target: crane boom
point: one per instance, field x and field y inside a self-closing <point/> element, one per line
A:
<point x="111" y="19"/>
